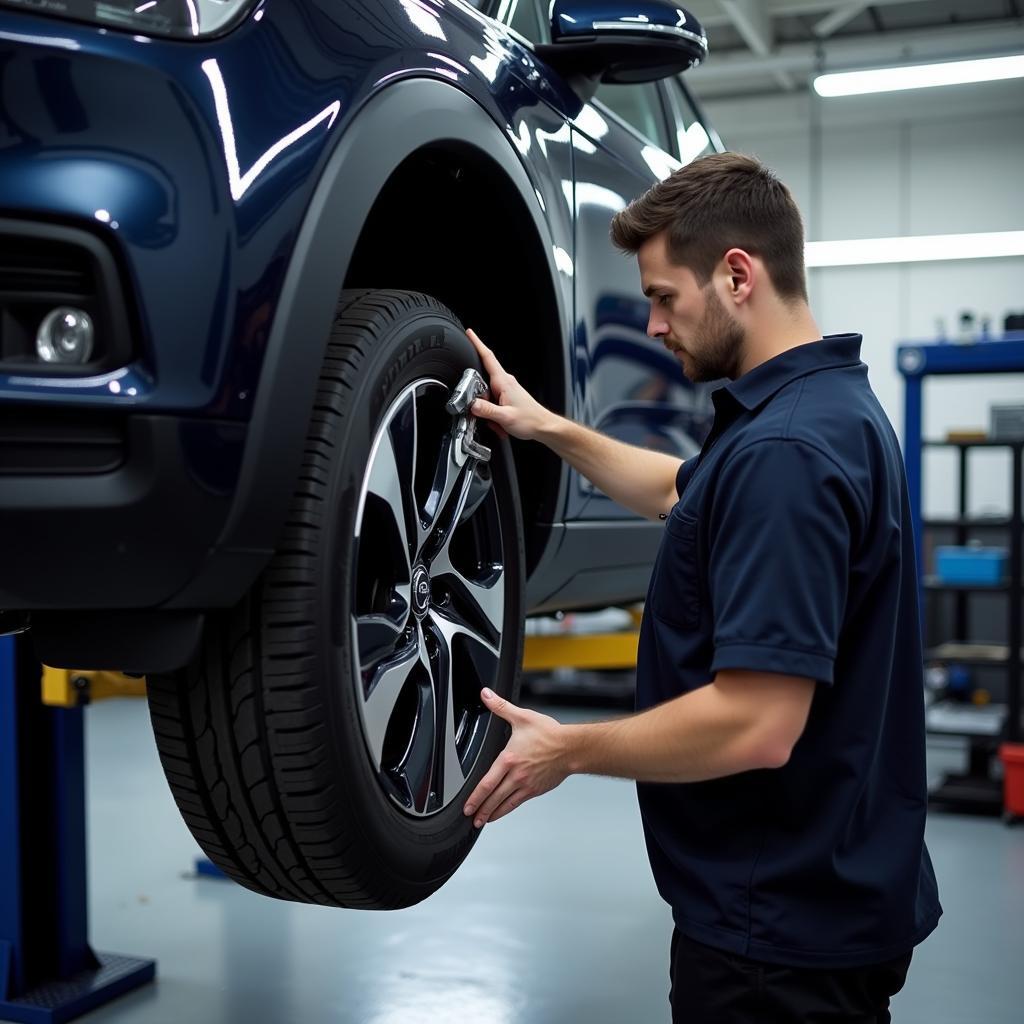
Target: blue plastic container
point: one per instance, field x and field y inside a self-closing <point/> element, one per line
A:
<point x="974" y="565"/>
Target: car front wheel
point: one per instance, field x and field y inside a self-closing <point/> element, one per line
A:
<point x="322" y="744"/>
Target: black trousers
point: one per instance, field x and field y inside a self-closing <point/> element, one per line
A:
<point x="713" y="987"/>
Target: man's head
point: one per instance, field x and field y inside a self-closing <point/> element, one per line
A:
<point x="720" y="244"/>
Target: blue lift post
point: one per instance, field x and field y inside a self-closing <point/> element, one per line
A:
<point x="48" y="971"/>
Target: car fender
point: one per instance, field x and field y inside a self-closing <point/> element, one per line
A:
<point x="392" y="124"/>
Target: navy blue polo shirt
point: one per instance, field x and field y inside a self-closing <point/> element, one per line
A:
<point x="791" y="551"/>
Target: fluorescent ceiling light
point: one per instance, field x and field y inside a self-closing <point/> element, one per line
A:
<point x="919" y="76"/>
<point x="860" y="251"/>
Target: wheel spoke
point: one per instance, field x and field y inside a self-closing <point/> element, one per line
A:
<point x="483" y="602"/>
<point x="378" y="633"/>
<point x="449" y="772"/>
<point x="450" y="628"/>
<point x="449" y="477"/>
<point x="404" y="429"/>
<point x="416" y="770"/>
<point x="379" y="705"/>
<point x="480" y="651"/>
<point x="392" y="463"/>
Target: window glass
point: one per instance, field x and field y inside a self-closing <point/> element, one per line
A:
<point x="639" y="106"/>
<point x="523" y="16"/>
<point x="691" y="136"/>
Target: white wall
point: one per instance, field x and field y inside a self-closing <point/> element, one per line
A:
<point x="932" y="162"/>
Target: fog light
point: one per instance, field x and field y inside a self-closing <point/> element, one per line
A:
<point x="65" y="336"/>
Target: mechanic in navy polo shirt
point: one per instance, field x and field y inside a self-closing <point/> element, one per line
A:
<point x="779" y="742"/>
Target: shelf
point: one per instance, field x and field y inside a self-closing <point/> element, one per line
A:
<point x="934" y="583"/>
<point x="1015" y="443"/>
<point x="965" y="719"/>
<point x="971" y="654"/>
<point x="981" y="727"/>
<point x="995" y="522"/>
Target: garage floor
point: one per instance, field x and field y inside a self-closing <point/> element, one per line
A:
<point x="554" y="918"/>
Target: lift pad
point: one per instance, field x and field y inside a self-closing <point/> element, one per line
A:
<point x="598" y="650"/>
<point x="71" y="688"/>
<point x="573" y="645"/>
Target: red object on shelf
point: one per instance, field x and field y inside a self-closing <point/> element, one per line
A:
<point x="1012" y="756"/>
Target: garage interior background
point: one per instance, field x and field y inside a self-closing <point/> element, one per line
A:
<point x="920" y="162"/>
<point x="554" y="917"/>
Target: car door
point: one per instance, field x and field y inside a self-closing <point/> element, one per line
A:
<point x="624" y="383"/>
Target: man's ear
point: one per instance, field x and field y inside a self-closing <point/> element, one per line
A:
<point x="739" y="266"/>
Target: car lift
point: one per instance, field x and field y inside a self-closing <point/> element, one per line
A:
<point x="605" y="650"/>
<point x="48" y="971"/>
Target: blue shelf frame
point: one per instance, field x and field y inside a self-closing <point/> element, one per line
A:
<point x="916" y="362"/>
<point x="49" y="973"/>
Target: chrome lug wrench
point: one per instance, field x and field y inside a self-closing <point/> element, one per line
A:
<point x="465" y="393"/>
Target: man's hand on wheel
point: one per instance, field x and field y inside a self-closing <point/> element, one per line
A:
<point x="514" y="410"/>
<point x="533" y="762"/>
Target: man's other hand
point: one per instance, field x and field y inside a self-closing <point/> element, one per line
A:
<point x="514" y="410"/>
<point x="534" y="761"/>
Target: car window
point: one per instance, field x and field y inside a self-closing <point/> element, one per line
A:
<point x="692" y="139"/>
<point x="639" y="106"/>
<point x="524" y="16"/>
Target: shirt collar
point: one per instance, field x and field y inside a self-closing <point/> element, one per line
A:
<point x="759" y="384"/>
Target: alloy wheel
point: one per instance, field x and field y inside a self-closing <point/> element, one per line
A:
<point x="428" y="603"/>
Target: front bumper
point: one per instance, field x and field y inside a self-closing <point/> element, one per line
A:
<point x="110" y="513"/>
<point x="117" y="487"/>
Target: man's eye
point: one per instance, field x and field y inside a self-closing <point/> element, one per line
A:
<point x="663" y="299"/>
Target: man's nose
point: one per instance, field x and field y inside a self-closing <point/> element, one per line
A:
<point x="656" y="328"/>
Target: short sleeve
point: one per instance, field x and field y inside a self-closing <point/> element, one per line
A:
<point x="683" y="475"/>
<point x="779" y="559"/>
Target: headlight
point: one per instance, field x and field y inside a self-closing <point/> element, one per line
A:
<point x="180" y="19"/>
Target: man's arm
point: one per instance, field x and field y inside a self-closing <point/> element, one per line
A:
<point x="740" y="722"/>
<point x="639" y="479"/>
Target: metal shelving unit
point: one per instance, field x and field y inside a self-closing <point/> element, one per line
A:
<point x="987" y="726"/>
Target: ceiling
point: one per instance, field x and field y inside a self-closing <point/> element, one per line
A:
<point x="765" y="46"/>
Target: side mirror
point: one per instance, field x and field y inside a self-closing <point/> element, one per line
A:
<point x="622" y="41"/>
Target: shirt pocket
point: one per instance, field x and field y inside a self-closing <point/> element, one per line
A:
<point x="675" y="597"/>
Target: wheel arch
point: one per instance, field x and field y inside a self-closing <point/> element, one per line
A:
<point x="400" y="123"/>
<point x="451" y="223"/>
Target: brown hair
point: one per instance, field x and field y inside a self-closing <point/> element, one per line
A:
<point x="716" y="203"/>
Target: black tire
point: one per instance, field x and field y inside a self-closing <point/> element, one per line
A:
<point x="269" y="740"/>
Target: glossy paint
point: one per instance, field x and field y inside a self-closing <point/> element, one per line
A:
<point x="196" y="161"/>
<point x="628" y="385"/>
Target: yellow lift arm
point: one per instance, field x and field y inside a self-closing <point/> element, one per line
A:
<point x="70" y="688"/>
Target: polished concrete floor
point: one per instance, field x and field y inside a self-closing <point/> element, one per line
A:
<point x="553" y="918"/>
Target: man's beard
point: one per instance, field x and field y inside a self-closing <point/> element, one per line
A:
<point x="717" y="347"/>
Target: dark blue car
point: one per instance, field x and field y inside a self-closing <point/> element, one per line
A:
<point x="238" y="243"/>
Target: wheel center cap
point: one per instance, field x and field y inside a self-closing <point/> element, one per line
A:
<point x="420" y="591"/>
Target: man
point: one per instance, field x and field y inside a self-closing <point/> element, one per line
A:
<point x="779" y="744"/>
